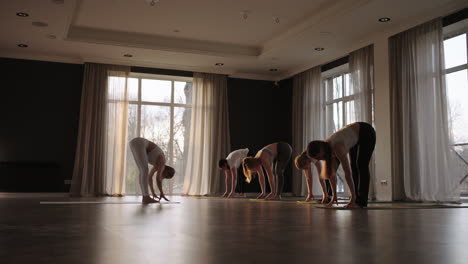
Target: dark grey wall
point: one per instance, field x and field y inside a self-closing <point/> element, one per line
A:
<point x="259" y="114"/>
<point x="40" y="103"/>
<point x="40" y="117"/>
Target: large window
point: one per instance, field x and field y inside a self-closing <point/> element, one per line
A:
<point x="339" y="109"/>
<point x="456" y="77"/>
<point x="159" y="110"/>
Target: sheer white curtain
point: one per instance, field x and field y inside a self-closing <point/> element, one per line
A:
<point x="209" y="134"/>
<point x="308" y="122"/>
<point x="99" y="154"/>
<point x="361" y="69"/>
<point x="116" y="137"/>
<point x="422" y="161"/>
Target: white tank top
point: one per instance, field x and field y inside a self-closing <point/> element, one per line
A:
<point x="346" y="136"/>
<point x="235" y="158"/>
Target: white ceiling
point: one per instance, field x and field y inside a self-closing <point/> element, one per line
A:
<point x="208" y="31"/>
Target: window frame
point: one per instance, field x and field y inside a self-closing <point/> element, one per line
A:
<point x="452" y="33"/>
<point x="171" y="105"/>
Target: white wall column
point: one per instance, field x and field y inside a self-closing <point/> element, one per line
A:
<point x="383" y="163"/>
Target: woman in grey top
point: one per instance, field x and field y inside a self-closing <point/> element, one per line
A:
<point x="357" y="139"/>
<point x="273" y="158"/>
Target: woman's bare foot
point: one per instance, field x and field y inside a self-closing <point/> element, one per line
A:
<point x="148" y="200"/>
<point x="261" y="196"/>
<point x="352" y="204"/>
<point x="309" y="197"/>
<point x="235" y="195"/>
<point x="273" y="196"/>
<point x="225" y="194"/>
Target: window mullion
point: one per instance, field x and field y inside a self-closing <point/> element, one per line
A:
<point x="139" y="109"/>
<point x="171" y="136"/>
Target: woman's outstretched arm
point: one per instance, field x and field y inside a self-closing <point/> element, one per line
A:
<point x="159" y="177"/>
<point x="261" y="180"/>
<point x="342" y="156"/>
<point x="308" y="176"/>
<point x="150" y="181"/>
<point x="228" y="182"/>
<point x="323" y="186"/>
<point x="272" y="181"/>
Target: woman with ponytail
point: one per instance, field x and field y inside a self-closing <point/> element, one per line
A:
<point x="273" y="158"/>
<point x="357" y="139"/>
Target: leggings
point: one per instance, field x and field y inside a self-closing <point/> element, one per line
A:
<point x="360" y="156"/>
<point x="284" y="152"/>
<point x="138" y="147"/>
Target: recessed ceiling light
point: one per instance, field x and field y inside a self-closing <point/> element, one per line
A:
<point x="22" y="45"/>
<point x="273" y="70"/>
<point x="244" y="14"/>
<point x="39" y="24"/>
<point x="22" y="14"/>
<point x="319" y="49"/>
<point x="384" y="19"/>
<point x="128" y="55"/>
<point x="219" y="64"/>
<point x="152" y="2"/>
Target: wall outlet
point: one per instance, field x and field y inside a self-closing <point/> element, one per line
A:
<point x="383" y="182"/>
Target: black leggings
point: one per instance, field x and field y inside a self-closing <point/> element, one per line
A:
<point x="284" y="151"/>
<point x="360" y="156"/>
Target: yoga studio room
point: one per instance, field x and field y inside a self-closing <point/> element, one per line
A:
<point x="222" y="131"/>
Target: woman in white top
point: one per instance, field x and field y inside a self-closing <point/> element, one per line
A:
<point x="229" y="166"/>
<point x="357" y="139"/>
<point x="146" y="152"/>
<point x="273" y="158"/>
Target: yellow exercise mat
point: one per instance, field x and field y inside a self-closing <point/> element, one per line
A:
<point x="394" y="207"/>
<point x="103" y="202"/>
<point x="271" y="201"/>
<point x="214" y="197"/>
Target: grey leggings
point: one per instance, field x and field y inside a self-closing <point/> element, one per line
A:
<point x="284" y="152"/>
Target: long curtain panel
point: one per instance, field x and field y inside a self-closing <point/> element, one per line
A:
<point x="421" y="156"/>
<point x="308" y="121"/>
<point x="209" y="134"/>
<point x="361" y="69"/>
<point x="96" y="142"/>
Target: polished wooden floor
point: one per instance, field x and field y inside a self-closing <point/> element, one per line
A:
<point x="224" y="231"/>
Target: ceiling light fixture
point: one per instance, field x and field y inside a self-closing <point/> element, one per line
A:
<point x="22" y="45"/>
<point x="128" y="55"/>
<point x="273" y="70"/>
<point x="245" y="14"/>
<point x="152" y="2"/>
<point x="22" y="14"/>
<point x="319" y="49"/>
<point x="384" y="19"/>
<point x="219" y="64"/>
